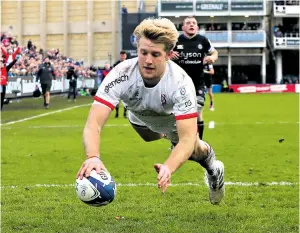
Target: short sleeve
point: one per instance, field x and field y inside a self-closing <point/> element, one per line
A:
<point x="111" y="88"/>
<point x="208" y="48"/>
<point x="185" y="102"/>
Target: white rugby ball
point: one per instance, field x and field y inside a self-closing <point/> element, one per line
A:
<point x="97" y="189"/>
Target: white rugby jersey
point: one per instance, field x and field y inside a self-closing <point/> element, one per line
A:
<point x="158" y="107"/>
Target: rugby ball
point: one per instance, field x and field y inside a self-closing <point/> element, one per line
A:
<point x="97" y="189"/>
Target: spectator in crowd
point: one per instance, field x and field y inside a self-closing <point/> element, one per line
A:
<point x="4" y="77"/>
<point x="123" y="57"/>
<point x="29" y="44"/>
<point x="10" y="55"/>
<point x="106" y="70"/>
<point x="124" y="10"/>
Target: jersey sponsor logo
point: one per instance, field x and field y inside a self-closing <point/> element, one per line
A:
<point x="180" y="46"/>
<point x="118" y="80"/>
<point x="189" y="62"/>
<point x="190" y="55"/>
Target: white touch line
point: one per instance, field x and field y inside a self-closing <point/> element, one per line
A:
<point x="44" y="114"/>
<point x="282" y="183"/>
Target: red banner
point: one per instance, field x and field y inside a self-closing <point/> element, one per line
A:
<point x="262" y="88"/>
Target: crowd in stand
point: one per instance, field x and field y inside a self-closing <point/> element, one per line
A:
<point x="29" y="58"/>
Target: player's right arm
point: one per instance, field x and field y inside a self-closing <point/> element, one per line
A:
<point x="106" y="98"/>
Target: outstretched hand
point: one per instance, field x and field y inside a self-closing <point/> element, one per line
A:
<point x="163" y="177"/>
<point x="89" y="165"/>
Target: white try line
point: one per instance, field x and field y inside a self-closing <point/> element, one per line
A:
<point x="45" y="114"/>
<point x="211" y="124"/>
<point x="282" y="183"/>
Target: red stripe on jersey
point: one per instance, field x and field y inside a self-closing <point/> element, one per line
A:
<point x="102" y="101"/>
<point x="186" y="116"/>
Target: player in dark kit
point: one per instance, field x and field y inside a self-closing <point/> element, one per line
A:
<point x="190" y="52"/>
<point x="208" y="73"/>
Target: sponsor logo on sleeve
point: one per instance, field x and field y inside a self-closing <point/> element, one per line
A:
<point x="121" y="78"/>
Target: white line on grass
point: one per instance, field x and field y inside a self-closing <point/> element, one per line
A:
<point x="282" y="183"/>
<point x="126" y="125"/>
<point x="44" y="114"/>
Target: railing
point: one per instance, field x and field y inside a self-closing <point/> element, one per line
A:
<point x="211" y="7"/>
<point x="248" y="36"/>
<point x="235" y="38"/>
<point x="25" y="85"/>
<point x="282" y="8"/>
<point x="286" y="42"/>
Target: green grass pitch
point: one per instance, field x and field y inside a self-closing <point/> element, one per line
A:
<point x="47" y="150"/>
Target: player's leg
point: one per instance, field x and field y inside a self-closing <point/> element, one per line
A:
<point x="44" y="86"/>
<point x="211" y="97"/>
<point x="200" y="104"/>
<point x="69" y="92"/>
<point x="205" y="156"/>
<point x="117" y="110"/>
<point x="47" y="95"/>
<point x="208" y="84"/>
<point x="146" y="134"/>
<point x="125" y="112"/>
<point x="74" y="92"/>
<point x="3" y="91"/>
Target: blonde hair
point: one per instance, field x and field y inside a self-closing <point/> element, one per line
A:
<point x="158" y="30"/>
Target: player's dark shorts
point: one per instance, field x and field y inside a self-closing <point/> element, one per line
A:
<point x="45" y="87"/>
<point x="200" y="93"/>
<point x="208" y="80"/>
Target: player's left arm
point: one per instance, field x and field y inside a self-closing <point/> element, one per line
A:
<point x="213" y="53"/>
<point x="187" y="133"/>
<point x="185" y="111"/>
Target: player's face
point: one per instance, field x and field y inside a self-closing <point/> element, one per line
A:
<point x="152" y="59"/>
<point x="190" y="26"/>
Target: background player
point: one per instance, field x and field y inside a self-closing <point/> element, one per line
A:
<point x="208" y="73"/>
<point x="189" y="54"/>
<point x="161" y="100"/>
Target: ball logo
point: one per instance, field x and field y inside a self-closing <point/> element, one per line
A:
<point x="103" y="176"/>
<point x="133" y="40"/>
<point x="200" y="46"/>
<point x="83" y="193"/>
